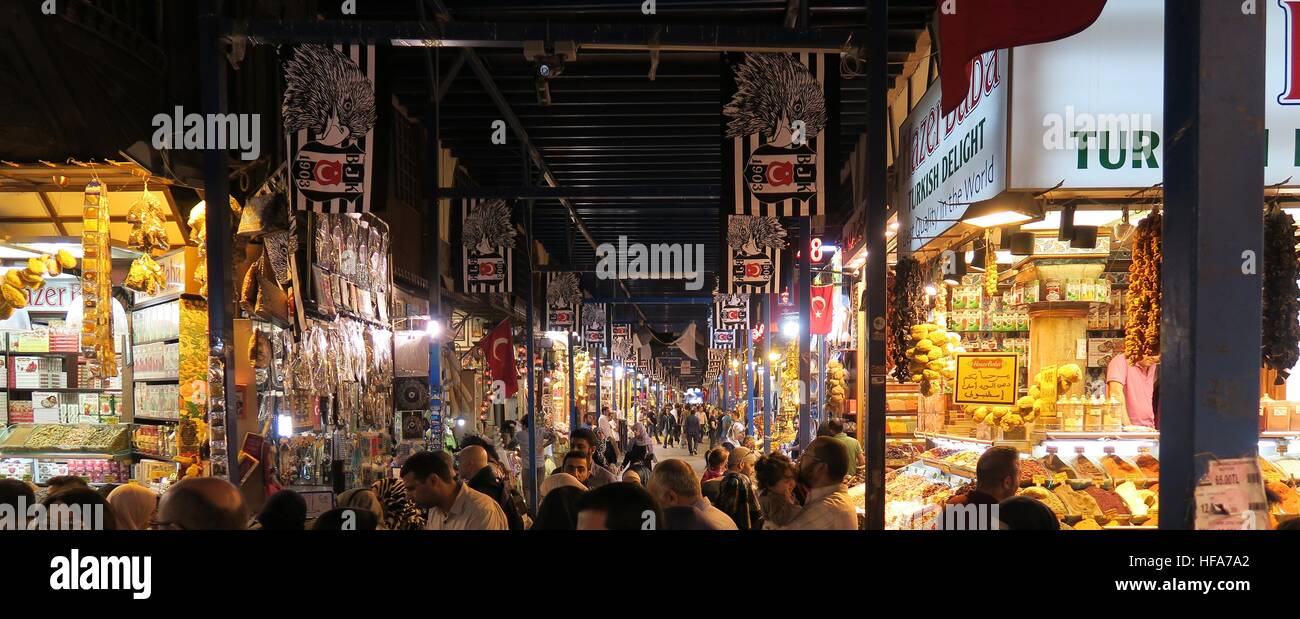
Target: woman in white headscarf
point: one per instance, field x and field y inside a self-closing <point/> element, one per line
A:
<point x="133" y="506"/>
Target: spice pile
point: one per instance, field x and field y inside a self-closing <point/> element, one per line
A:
<point x="1029" y="468"/>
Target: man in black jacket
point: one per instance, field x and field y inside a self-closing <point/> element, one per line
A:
<point x="693" y="431"/>
<point x="473" y="467"/>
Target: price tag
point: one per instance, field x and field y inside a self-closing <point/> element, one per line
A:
<point x="1060" y="478"/>
<point x="1134" y="478"/>
<point x="1039" y="480"/>
<point x="1231" y="496"/>
<point x="1098" y="480"/>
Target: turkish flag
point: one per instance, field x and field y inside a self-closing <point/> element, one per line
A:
<point x="968" y="28"/>
<point x="823" y="310"/>
<point x="499" y="350"/>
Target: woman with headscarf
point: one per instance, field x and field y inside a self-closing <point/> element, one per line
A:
<point x="400" y="513"/>
<point x="133" y="506"/>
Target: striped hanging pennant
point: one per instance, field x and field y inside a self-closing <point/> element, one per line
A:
<point x="487" y="246"/>
<point x="754" y="247"/>
<point x="730" y="310"/>
<point x="593" y="323"/>
<point x="779" y="123"/>
<point x="329" y="116"/>
<point x="724" y="339"/>
<point x="563" y="297"/>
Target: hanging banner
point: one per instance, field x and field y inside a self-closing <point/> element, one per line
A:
<point x="753" y="254"/>
<point x="730" y="310"/>
<point x="487" y="246"/>
<point x="621" y="333"/>
<point x="724" y="339"/>
<point x="329" y="115"/>
<point x="779" y="125"/>
<point x="562" y="299"/>
<point x="593" y="321"/>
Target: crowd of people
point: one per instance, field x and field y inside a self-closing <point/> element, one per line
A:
<point x="609" y="478"/>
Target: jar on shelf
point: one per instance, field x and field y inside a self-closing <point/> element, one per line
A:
<point x="1112" y="415"/>
<point x="1071" y="415"/>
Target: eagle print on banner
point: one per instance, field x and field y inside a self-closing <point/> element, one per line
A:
<point x="487" y="246"/>
<point x="593" y="323"/>
<point x="777" y="122"/>
<point x="563" y="297"/>
<point x="329" y="116"/>
<point x="754" y="247"/>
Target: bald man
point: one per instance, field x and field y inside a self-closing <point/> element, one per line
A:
<point x="202" y="503"/>
<point x="473" y="468"/>
<point x="632" y="476"/>
<point x="675" y="485"/>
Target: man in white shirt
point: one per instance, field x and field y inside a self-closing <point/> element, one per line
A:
<point x="822" y="468"/>
<point x="675" y="486"/>
<point x="453" y="506"/>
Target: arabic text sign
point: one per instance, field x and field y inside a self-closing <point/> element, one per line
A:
<point x="986" y="378"/>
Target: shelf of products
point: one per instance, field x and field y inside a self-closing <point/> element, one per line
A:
<point x="156" y="323"/>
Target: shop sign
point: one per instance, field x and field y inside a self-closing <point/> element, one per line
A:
<point x="54" y="297"/>
<point x="724" y="339"/>
<point x="986" y="378"/>
<point x="1089" y="109"/>
<point x="951" y="161"/>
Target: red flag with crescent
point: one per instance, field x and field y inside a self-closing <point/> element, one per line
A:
<point x="823" y="310"/>
<point x="499" y="351"/>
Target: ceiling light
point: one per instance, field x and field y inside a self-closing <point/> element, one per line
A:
<point x="1084" y="237"/>
<point x="1065" y="231"/>
<point x="1022" y="244"/>
<point x="1005" y="209"/>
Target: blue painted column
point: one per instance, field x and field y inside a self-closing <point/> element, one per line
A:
<point x="1213" y="182"/>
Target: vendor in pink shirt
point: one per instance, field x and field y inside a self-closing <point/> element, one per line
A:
<point x="1135" y="384"/>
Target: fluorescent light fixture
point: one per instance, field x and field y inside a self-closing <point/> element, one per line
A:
<point x="1003" y="210"/>
<point x="284" y="426"/>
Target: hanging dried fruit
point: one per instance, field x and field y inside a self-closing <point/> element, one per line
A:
<point x="906" y="308"/>
<point x="1142" y="335"/>
<point x="1281" y="322"/>
<point x="990" y="266"/>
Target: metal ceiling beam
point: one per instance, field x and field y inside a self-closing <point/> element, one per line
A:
<point x="485" y="77"/>
<point x="54" y="215"/>
<point x="512" y="35"/>
<point x="452" y="73"/>
<point x="556" y="192"/>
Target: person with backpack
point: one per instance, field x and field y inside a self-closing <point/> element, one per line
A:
<point x="736" y="495"/>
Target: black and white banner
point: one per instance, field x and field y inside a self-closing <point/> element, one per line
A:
<point x="779" y="127"/>
<point x="329" y="117"/>
<point x="487" y="246"/>
<point x="754" y="247"/>
<point x="563" y="297"/>
<point x="593" y="323"/>
<point x="724" y="339"/>
<point x="731" y="310"/>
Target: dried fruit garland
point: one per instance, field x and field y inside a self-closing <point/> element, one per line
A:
<point x="906" y="308"/>
<point x="990" y="266"/>
<point x="1281" y="343"/>
<point x="1142" y="336"/>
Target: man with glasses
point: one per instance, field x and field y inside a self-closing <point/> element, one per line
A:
<point x="822" y="468"/>
<point x="199" y="504"/>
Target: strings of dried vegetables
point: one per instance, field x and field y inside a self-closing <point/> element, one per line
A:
<point x="990" y="266"/>
<point x="1142" y="335"/>
<point x="906" y="308"/>
<point x="1281" y="323"/>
